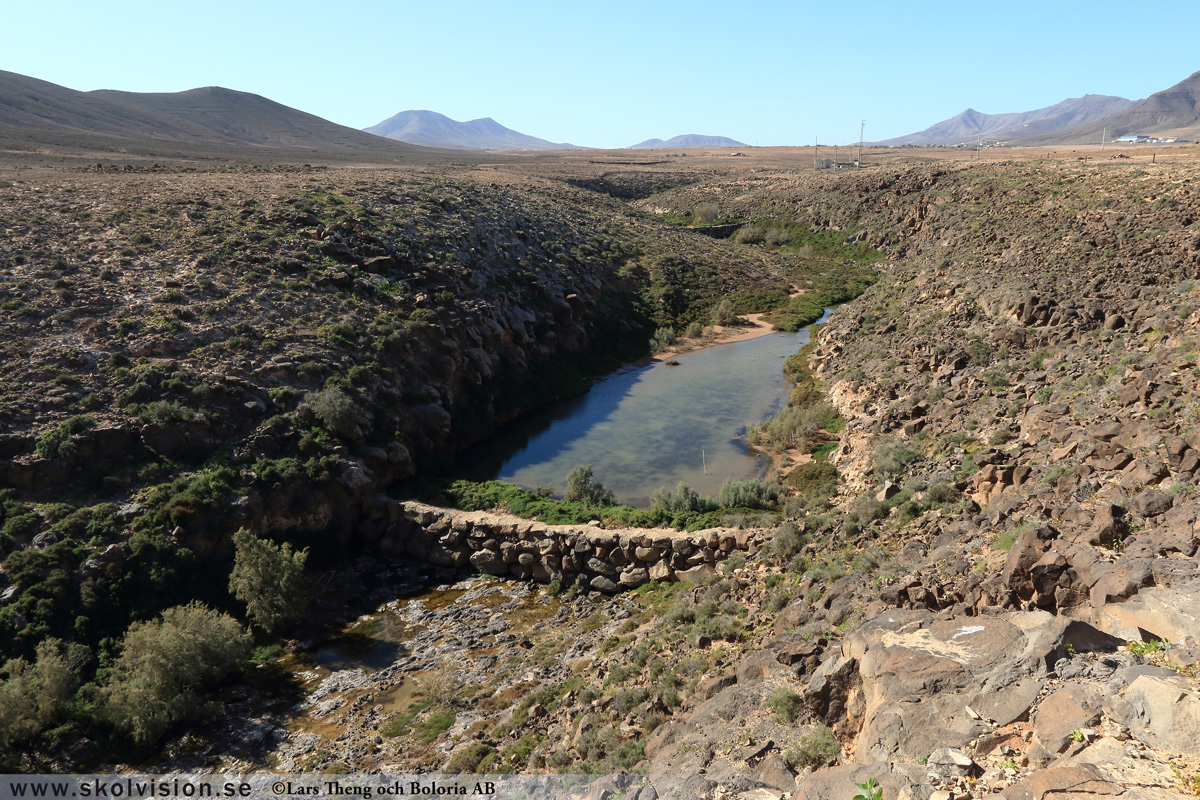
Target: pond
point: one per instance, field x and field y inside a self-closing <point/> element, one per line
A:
<point x="652" y="426"/>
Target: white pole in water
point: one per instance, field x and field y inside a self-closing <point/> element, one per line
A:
<point x="704" y="460"/>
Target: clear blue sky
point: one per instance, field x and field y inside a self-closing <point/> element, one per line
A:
<point x="612" y="74"/>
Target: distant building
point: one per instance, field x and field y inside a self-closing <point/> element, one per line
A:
<point x="1132" y="139"/>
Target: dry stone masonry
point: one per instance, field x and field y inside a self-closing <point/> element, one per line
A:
<point x="587" y="556"/>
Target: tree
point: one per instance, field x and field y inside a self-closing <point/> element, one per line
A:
<point x="583" y="488"/>
<point x="34" y="694"/>
<point x="269" y="579"/>
<point x="164" y="663"/>
<point x="335" y="410"/>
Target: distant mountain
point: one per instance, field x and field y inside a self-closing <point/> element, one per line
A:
<point x="36" y="110"/>
<point x="1171" y="112"/>
<point x="432" y="129"/>
<point x="972" y="126"/>
<point x="687" y="140"/>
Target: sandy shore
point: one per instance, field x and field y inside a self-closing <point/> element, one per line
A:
<point x="721" y="335"/>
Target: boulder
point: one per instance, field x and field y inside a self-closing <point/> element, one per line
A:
<point x="1072" y="708"/>
<point x="948" y="762"/>
<point x="1168" y="613"/>
<point x="1062" y="783"/>
<point x="1165" y="713"/>
<point x="1151" y="503"/>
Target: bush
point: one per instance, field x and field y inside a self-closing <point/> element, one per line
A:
<point x="662" y="339"/>
<point x="748" y="234"/>
<point x="796" y="425"/>
<point x="777" y="237"/>
<point x="33" y="695"/>
<point x="269" y="579"/>
<point x="58" y="443"/>
<point x="335" y="410"/>
<point x="785" y="706"/>
<point x="817" y="749"/>
<point x="583" y="488"/>
<point x="468" y="760"/>
<point x="786" y="543"/>
<point x="815" y="480"/>
<point x="164" y="663"/>
<point x="724" y="314"/>
<point x="706" y="214"/>
<point x="891" y="457"/>
<point x="755" y="493"/>
<point x="682" y="499"/>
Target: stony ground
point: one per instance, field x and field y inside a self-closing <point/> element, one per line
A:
<point x="997" y="593"/>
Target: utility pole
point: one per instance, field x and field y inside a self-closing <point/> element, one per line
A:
<point x="816" y="154"/>
<point x="1103" y="136"/>
<point x="860" y="141"/>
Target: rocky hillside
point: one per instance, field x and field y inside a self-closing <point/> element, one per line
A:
<point x="984" y="581"/>
<point x="1019" y="463"/>
<point x="189" y="353"/>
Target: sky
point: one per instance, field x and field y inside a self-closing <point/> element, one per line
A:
<point x="616" y="73"/>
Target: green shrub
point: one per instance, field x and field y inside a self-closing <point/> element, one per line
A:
<point x="755" y="493"/>
<point x="786" y="543"/>
<point x="891" y="458"/>
<point x="335" y="410"/>
<point x="58" y="443"/>
<point x="468" y="760"/>
<point x="662" y="339"/>
<point x="706" y="214"/>
<point x="33" y="696"/>
<point x="785" y="706"/>
<point x="682" y="499"/>
<point x="724" y="314"/>
<point x="281" y="470"/>
<point x="434" y="725"/>
<point x="1055" y="473"/>
<point x="18" y="525"/>
<point x="822" y="451"/>
<point x="815" y="750"/>
<point x="733" y="563"/>
<point x="583" y="488"/>
<point x="1037" y="359"/>
<point x="748" y="234"/>
<point x="1005" y="541"/>
<point x="96" y="525"/>
<point x="815" y="480"/>
<point x="164" y="663"/>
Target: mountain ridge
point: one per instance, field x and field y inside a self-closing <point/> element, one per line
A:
<point x="687" y="140"/>
<point x="1175" y="111"/>
<point x="431" y="129"/>
<point x="972" y="126"/>
<point x="34" y="110"/>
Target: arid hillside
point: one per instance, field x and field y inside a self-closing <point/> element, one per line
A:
<point x="977" y="574"/>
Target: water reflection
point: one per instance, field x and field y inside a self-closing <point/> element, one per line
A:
<point x="642" y="428"/>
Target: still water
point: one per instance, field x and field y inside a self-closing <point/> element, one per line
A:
<point x="645" y="427"/>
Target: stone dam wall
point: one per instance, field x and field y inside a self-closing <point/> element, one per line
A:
<point x="588" y="556"/>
